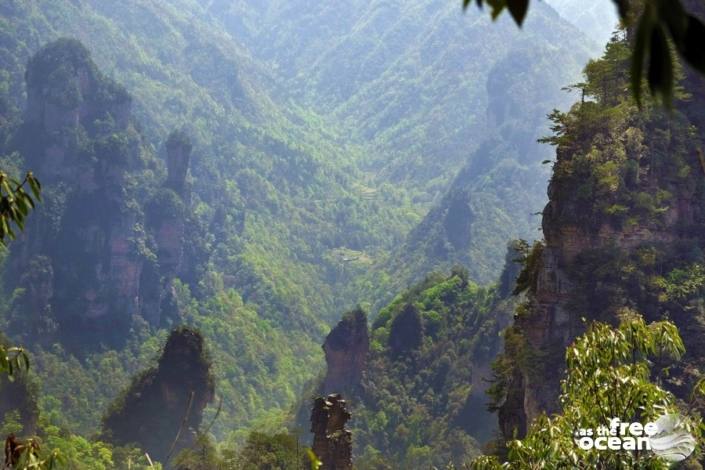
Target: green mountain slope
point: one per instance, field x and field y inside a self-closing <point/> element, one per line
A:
<point x="408" y="80"/>
<point x="283" y="188"/>
<point x="319" y="140"/>
<point x="416" y="381"/>
<point x="498" y="193"/>
<point x="427" y="92"/>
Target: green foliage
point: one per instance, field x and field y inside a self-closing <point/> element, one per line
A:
<point x="279" y="451"/>
<point x="608" y="375"/>
<point x="424" y="379"/>
<point x="608" y="152"/>
<point x="11" y="424"/>
<point x="681" y="283"/>
<point x="256" y="382"/>
<point x="202" y="456"/>
<point x="517" y="8"/>
<point x="166" y="205"/>
<point x="530" y="259"/>
<point x="15" y="204"/>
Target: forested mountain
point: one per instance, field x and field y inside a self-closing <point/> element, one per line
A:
<point x="231" y="176"/>
<point x="280" y="188"/>
<point x="263" y="208"/>
<point x="420" y="87"/>
<point x="623" y="233"/>
<point x="407" y="79"/>
<point x="499" y="191"/>
<point x="416" y="380"/>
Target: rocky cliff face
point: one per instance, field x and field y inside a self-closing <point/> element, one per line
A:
<point x="332" y="442"/>
<point x="99" y="255"/>
<point x="166" y="216"/>
<point x="78" y="136"/>
<point x="346" y="349"/>
<point x="623" y="228"/>
<point x="163" y="408"/>
<point x="65" y="92"/>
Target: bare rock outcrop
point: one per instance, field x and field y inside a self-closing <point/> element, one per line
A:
<point x="346" y="349"/>
<point x="178" y="154"/>
<point x="162" y="409"/>
<point x="109" y="253"/>
<point x="332" y="442"/>
<point x="610" y="237"/>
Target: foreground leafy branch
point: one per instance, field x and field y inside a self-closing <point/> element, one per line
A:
<point x="609" y="375"/>
<point x="17" y="199"/>
<point x="26" y="455"/>
<point x="16" y="203"/>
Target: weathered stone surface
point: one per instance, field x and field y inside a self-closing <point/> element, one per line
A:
<point x="178" y="152"/>
<point x="169" y="237"/>
<point x="166" y="215"/>
<point x="577" y="229"/>
<point x="346" y="349"/>
<point x="79" y="139"/>
<point x="511" y="269"/>
<point x="332" y="443"/>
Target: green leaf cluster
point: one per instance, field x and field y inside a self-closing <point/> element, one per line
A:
<point x="609" y="374"/>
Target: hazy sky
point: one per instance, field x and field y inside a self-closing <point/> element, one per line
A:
<point x="597" y="18"/>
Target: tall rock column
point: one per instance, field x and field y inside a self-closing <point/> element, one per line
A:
<point x="178" y="157"/>
<point x="162" y="409"/>
<point x="166" y="214"/>
<point x="170" y="230"/>
<point x="79" y="138"/>
<point x="346" y="349"/>
<point x="623" y="228"/>
<point x="332" y="443"/>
